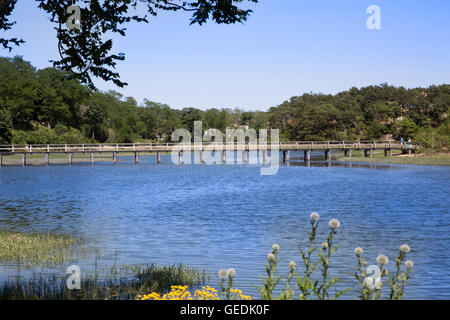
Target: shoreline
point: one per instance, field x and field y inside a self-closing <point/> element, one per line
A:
<point x="422" y="159"/>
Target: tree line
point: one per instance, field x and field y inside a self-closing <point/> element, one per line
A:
<point x="48" y="106"/>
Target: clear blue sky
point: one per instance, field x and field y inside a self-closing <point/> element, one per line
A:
<point x="287" y="48"/>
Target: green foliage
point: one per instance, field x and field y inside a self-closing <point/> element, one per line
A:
<point x="372" y="112"/>
<point x="5" y="127"/>
<point x="44" y="135"/>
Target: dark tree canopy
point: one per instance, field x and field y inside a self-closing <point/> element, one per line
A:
<point x="84" y="52"/>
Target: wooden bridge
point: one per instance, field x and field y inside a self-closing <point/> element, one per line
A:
<point x="157" y="148"/>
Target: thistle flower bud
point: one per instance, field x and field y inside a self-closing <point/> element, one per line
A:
<point x="270" y="257"/>
<point x="324" y="245"/>
<point x="382" y="260"/>
<point x="275" y="248"/>
<point x="334" y="223"/>
<point x="292" y="265"/>
<point x="358" y="251"/>
<point x="314" y="216"/>
<point x="222" y="273"/>
<point x="404" y="248"/>
<point x="231" y="272"/>
<point x="409" y="264"/>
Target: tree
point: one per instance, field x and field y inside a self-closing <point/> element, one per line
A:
<point x="5" y="127"/>
<point x="96" y="117"/>
<point x="86" y="51"/>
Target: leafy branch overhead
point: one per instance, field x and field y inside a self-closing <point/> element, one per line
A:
<point x="85" y="52"/>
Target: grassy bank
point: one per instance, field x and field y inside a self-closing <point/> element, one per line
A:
<point x="37" y="249"/>
<point x="437" y="159"/>
<point x="118" y="284"/>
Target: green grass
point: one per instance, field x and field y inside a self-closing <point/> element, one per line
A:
<point x="441" y="159"/>
<point x="36" y="249"/>
<point x="118" y="284"/>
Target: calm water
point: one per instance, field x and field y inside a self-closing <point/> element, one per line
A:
<point x="223" y="216"/>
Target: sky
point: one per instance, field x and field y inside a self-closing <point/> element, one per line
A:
<point x="285" y="49"/>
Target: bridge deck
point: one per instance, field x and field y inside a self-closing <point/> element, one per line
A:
<point x="169" y="147"/>
<point x="137" y="148"/>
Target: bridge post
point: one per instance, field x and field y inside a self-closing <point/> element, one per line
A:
<point x="265" y="158"/>
<point x="202" y="156"/>
<point x="24" y="159"/>
<point x="69" y="157"/>
<point x="92" y="158"/>
<point x="1" y="159"/>
<point x="224" y="157"/>
<point x="46" y="159"/>
<point x="136" y="157"/>
<point x="349" y="152"/>
<point x="328" y="154"/>
<point x="244" y="156"/>
<point x="158" y="157"/>
<point x="368" y="153"/>
<point x="180" y="157"/>
<point x="114" y="157"/>
<point x="307" y="155"/>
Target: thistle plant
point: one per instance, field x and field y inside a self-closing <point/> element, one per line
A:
<point x="288" y="291"/>
<point x="325" y="253"/>
<point x="398" y="282"/>
<point x="271" y="280"/>
<point x="306" y="284"/>
<point x="361" y="275"/>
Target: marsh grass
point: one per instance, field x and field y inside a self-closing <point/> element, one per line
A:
<point x="120" y="283"/>
<point x="37" y="249"/>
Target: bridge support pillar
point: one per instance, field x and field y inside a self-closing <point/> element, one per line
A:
<point x="388" y="152"/>
<point x="24" y="159"/>
<point x="368" y="153"/>
<point x="348" y="153"/>
<point x="158" y="157"/>
<point x="114" y="157"/>
<point x="92" y="158"/>
<point x="1" y="159"/>
<point x="265" y="157"/>
<point x="307" y="155"/>
<point x="328" y="155"/>
<point x="224" y="157"/>
<point x="180" y="157"/>
<point x="286" y="156"/>
<point x="244" y="157"/>
<point x="202" y="157"/>
<point x="69" y="158"/>
<point x="46" y="161"/>
<point x="136" y="157"/>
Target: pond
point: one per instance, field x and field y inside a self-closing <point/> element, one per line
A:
<point x="221" y="216"/>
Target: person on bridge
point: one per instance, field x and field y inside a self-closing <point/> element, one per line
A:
<point x="409" y="143"/>
<point x="401" y="142"/>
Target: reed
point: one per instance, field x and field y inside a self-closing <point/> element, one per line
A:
<point x="37" y="249"/>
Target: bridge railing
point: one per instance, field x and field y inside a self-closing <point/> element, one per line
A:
<point x="146" y="147"/>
